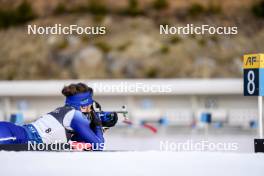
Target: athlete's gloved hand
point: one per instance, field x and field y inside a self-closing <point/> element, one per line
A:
<point x="109" y="119"/>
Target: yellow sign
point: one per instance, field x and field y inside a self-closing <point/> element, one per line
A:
<point x="253" y="61"/>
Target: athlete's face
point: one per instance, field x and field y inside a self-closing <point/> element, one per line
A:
<point x="86" y="108"/>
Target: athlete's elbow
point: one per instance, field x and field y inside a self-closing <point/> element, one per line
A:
<point x="99" y="145"/>
<point x="102" y="140"/>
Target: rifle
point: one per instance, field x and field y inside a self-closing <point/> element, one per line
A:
<point x="109" y="118"/>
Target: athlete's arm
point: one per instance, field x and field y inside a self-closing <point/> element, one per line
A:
<point x="81" y="126"/>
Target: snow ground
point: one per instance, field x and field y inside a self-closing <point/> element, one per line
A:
<point x="131" y="163"/>
<point x="143" y="158"/>
<point x="245" y="143"/>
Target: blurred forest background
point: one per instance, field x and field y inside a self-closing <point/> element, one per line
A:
<point x="132" y="47"/>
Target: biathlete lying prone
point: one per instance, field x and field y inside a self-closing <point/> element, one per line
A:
<point x="76" y="121"/>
